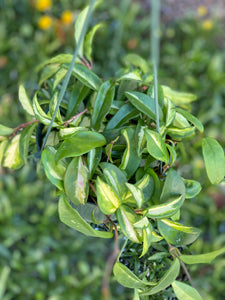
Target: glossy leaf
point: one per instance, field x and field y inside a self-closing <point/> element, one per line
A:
<point x="48" y="72"/>
<point x="170" y="112"/>
<point x="115" y="177"/>
<point x="178" y="98"/>
<point x="4" y="130"/>
<point x="180" y="121"/>
<point x="136" y="193"/>
<point x="72" y="218"/>
<point x="59" y="77"/>
<point x="214" y="160"/>
<point x="130" y="159"/>
<point x="156" y="146"/>
<point x="180" y="133"/>
<point x="166" y="209"/>
<point x="196" y="122"/>
<point x="93" y="159"/>
<point x="146" y="185"/>
<point x="53" y="170"/>
<point x="86" y="76"/>
<point x="81" y="142"/>
<point x="173" y="154"/>
<point x="157" y="185"/>
<point x="76" y="181"/>
<point x="201" y="258"/>
<point x="25" y="101"/>
<point x="68" y="132"/>
<point x="137" y="61"/>
<point x="147" y="239"/>
<point x="40" y="114"/>
<point x="127" y="278"/>
<point x="144" y="104"/>
<point x="192" y="188"/>
<point x="25" y="141"/>
<point x="150" y="92"/>
<point x="52" y="107"/>
<point x="88" y="41"/>
<point x="184" y="291"/>
<point x="102" y="104"/>
<point x="3" y="147"/>
<point x="177" y="234"/>
<point x="131" y="76"/>
<point x="127" y="218"/>
<point x="79" y="24"/>
<point x="13" y="159"/>
<point x="166" y="280"/>
<point x="140" y="139"/>
<point x="124" y="114"/>
<point x="108" y="200"/>
<point x="58" y="59"/>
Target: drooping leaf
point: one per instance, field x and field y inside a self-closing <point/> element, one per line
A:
<point x="86" y="76"/>
<point x="59" y="77"/>
<point x="124" y="114"/>
<point x="166" y="209"/>
<point x="81" y="142"/>
<point x="170" y="112"/>
<point x="178" y="98"/>
<point x="88" y="41"/>
<point x="127" y="218"/>
<point x="40" y="114"/>
<point x="115" y="177"/>
<point x="144" y="104"/>
<point x="102" y="104"/>
<point x="48" y="72"/>
<point x="12" y="157"/>
<point x="150" y="92"/>
<point x="127" y="278"/>
<point x="177" y="234"/>
<point x="79" y="24"/>
<point x="76" y="182"/>
<point x="108" y="200"/>
<point x="172" y="153"/>
<point x="93" y="159"/>
<point x="196" y="122"/>
<point x="166" y="280"/>
<point x="180" y="133"/>
<point x="72" y="218"/>
<point x="192" y="188"/>
<point x="130" y="160"/>
<point x="52" y="107"/>
<point x="184" y="291"/>
<point x="25" y="141"/>
<point x="4" y="130"/>
<point x="25" y="101"/>
<point x="214" y="160"/>
<point x="201" y="258"/>
<point x="131" y="76"/>
<point x="156" y="146"/>
<point x="53" y="170"/>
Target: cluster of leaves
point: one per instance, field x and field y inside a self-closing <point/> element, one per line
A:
<point x="112" y="168"/>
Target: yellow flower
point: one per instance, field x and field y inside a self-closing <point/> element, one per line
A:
<point x="202" y="10"/>
<point x="207" y="24"/>
<point x="67" y="17"/>
<point x="45" y="22"/>
<point x="43" y="5"/>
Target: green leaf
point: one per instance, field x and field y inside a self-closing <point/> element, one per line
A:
<point x="76" y="182"/>
<point x="127" y="218"/>
<point x="52" y="107"/>
<point x="184" y="291"/>
<point x="147" y="239"/>
<point x="214" y="160"/>
<point x="72" y="218"/>
<point x="166" y="209"/>
<point x="192" y="188"/>
<point x="4" y="275"/>
<point x="131" y="76"/>
<point x="108" y="200"/>
<point x="68" y="132"/>
<point x="173" y="186"/>
<point x="88" y="41"/>
<point x="53" y="170"/>
<point x="201" y="258"/>
<point x="127" y="278"/>
<point x="40" y="114"/>
<point x="25" y="141"/>
<point x="166" y="280"/>
<point x="79" y="24"/>
<point x="81" y="142"/>
<point x="48" y="72"/>
<point x="115" y="177"/>
<point x="137" y="61"/>
<point x="150" y="92"/>
<point x="173" y="154"/>
<point x="12" y="157"/>
<point x="140" y="139"/>
<point x="3" y="147"/>
<point x="59" y="77"/>
<point x="130" y="160"/>
<point x="87" y="77"/>
<point x="146" y="185"/>
<point x="4" y="131"/>
<point x="178" y="98"/>
<point x="180" y="121"/>
<point x="170" y="112"/>
<point x="180" y="133"/>
<point x="124" y="114"/>
<point x="136" y="193"/>
<point x="144" y="104"/>
<point x="102" y="104"/>
<point x="25" y="101"/>
<point x="177" y="234"/>
<point x="196" y="122"/>
<point x="93" y="159"/>
<point x="58" y="59"/>
<point x="156" y="146"/>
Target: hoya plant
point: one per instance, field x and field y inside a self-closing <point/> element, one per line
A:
<point x="115" y="172"/>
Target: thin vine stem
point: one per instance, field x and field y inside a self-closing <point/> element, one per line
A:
<point x="68" y="74"/>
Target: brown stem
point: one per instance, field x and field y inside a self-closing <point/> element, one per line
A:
<point x="74" y="117"/>
<point x="105" y="290"/>
<point x="110" y="150"/>
<point x="24" y="125"/>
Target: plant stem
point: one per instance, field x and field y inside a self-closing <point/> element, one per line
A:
<point x="74" y="117"/>
<point x="68" y="74"/>
<point x="24" y="125"/>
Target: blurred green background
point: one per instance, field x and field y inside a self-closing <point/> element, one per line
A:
<point x="41" y="258"/>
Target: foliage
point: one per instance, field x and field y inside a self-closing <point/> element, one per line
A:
<point x="113" y="171"/>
